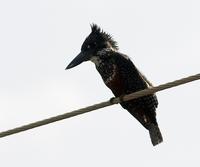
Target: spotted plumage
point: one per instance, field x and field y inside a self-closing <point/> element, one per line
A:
<point x="122" y="77"/>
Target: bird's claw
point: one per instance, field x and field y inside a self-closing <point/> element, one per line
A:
<point x="121" y="99"/>
<point x="112" y="100"/>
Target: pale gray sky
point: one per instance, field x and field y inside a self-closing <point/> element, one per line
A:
<point x="37" y="41"/>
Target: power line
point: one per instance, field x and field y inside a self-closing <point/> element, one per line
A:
<point x="110" y="102"/>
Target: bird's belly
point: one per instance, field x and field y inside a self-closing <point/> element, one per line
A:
<point x="110" y="75"/>
<point x="115" y="83"/>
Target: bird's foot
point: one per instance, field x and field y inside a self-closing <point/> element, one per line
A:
<point x="113" y="99"/>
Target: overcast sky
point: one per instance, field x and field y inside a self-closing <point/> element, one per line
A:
<point x="37" y="41"/>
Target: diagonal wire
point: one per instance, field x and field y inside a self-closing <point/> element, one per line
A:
<point x="110" y="102"/>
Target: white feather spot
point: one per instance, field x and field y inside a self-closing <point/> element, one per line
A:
<point x="95" y="60"/>
<point x="145" y="118"/>
<point x="109" y="79"/>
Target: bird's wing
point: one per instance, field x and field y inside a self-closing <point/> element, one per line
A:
<point x="133" y="79"/>
<point x="126" y="60"/>
<point x="145" y="79"/>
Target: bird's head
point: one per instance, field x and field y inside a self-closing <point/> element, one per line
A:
<point x="96" y="42"/>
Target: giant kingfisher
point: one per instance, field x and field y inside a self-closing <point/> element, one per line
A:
<point x="121" y="76"/>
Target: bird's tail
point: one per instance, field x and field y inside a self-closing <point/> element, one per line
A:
<point x="155" y="134"/>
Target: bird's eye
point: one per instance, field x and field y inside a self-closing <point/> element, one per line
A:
<point x="88" y="46"/>
<point x="91" y="45"/>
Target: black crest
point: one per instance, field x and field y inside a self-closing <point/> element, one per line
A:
<point x="97" y="30"/>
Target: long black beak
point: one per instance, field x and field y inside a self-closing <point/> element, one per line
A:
<point x="83" y="56"/>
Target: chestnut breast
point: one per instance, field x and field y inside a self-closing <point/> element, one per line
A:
<point x="111" y="77"/>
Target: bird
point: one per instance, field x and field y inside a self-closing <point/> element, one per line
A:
<point x="121" y="76"/>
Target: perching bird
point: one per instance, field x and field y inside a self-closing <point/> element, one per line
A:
<point x="121" y="76"/>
